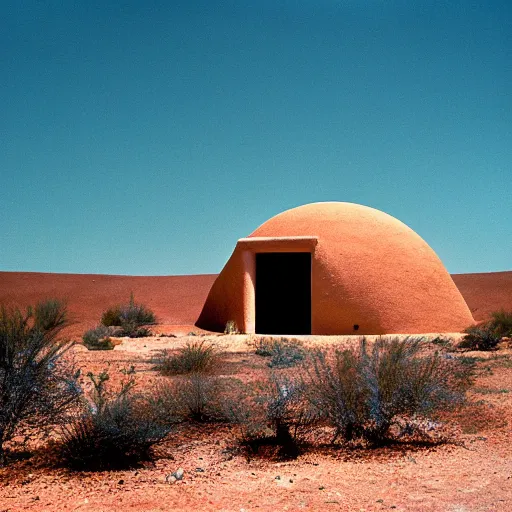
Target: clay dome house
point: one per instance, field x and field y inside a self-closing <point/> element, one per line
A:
<point x="335" y="268"/>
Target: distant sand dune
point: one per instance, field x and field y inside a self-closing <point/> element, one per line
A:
<point x="485" y="293"/>
<point x="177" y="300"/>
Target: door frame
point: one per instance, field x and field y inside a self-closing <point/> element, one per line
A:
<point x="249" y="247"/>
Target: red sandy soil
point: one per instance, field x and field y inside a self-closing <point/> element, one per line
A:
<point x="472" y="472"/>
<point x="178" y="300"/>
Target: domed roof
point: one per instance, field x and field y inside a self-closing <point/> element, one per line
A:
<point x="368" y="269"/>
<point x="330" y="220"/>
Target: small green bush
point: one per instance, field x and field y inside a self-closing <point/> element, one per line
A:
<point x="442" y="342"/>
<point x="501" y="323"/>
<point x="115" y="432"/>
<point x="377" y="393"/>
<point x="195" y="357"/>
<point x="50" y="315"/>
<point x="99" y="338"/>
<point x="130" y="318"/>
<point x="284" y="352"/>
<point x="231" y="327"/>
<point x="480" y="338"/>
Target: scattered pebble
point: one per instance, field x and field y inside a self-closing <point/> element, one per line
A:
<point x="179" y="474"/>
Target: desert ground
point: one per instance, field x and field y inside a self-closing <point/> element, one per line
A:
<point x="471" y="471"/>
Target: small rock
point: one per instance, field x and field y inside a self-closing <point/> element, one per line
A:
<point x="199" y="470"/>
<point x="170" y="479"/>
<point x="321" y="488"/>
<point x="179" y="474"/>
<point x="278" y="477"/>
<point x="121" y="482"/>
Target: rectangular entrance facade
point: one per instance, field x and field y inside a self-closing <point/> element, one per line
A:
<point x="283" y="293"/>
<point x="280" y="285"/>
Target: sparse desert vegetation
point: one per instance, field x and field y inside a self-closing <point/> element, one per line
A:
<point x="487" y="335"/>
<point x="121" y="320"/>
<point x="98" y="338"/>
<point x="115" y="430"/>
<point x="283" y="352"/>
<point x="130" y="319"/>
<point x="252" y="423"/>
<point x="241" y="416"/>
<point x="38" y="384"/>
<point x="194" y="357"/>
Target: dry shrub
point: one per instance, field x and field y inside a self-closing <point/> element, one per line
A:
<point x="99" y="338"/>
<point x="480" y="338"/>
<point x="195" y="357"/>
<point x="283" y="352"/>
<point x="130" y="318"/>
<point x="114" y="432"/>
<point x="487" y="335"/>
<point x="231" y="327"/>
<point x="366" y="392"/>
<point x="195" y="397"/>
<point x="274" y="414"/>
<point x="38" y="385"/>
<point x="501" y="322"/>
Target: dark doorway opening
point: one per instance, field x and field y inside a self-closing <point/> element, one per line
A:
<point x="283" y="293"/>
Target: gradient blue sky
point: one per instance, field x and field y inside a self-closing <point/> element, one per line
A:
<point x="146" y="137"/>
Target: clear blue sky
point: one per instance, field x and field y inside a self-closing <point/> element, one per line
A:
<point x="145" y="137"/>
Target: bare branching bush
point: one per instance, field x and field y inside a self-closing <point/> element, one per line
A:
<point x="38" y="384"/>
<point x="283" y="352"/>
<point x="195" y="357"/>
<point x="388" y="390"/>
<point x="275" y="413"/>
<point x="115" y="431"/>
<point x="130" y="318"/>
